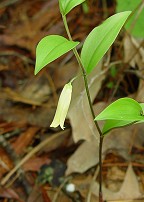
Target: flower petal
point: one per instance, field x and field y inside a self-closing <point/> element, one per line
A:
<point x="62" y="107"/>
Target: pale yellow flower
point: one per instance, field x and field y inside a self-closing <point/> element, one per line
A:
<point x="62" y="107"/>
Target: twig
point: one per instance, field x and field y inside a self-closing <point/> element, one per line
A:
<point x="93" y="180"/>
<point x="59" y="190"/>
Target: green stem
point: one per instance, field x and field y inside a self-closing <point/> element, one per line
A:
<point x="84" y="75"/>
<point x="91" y="107"/>
<point x="100" y="169"/>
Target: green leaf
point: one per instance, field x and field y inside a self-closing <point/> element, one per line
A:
<point x="142" y="106"/>
<point x="67" y="5"/>
<point x="50" y="48"/>
<point x="111" y="124"/>
<point x="125" y="109"/>
<point x="122" y="112"/>
<point x="138" y="29"/>
<point x="100" y="39"/>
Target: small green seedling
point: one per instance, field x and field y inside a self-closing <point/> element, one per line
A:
<point x="120" y="113"/>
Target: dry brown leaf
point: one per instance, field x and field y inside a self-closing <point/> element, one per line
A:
<point x="140" y="92"/>
<point x="85" y="157"/>
<point x="64" y="140"/>
<point x="133" y="54"/>
<point x="3" y="67"/>
<point x="34" y="92"/>
<point x="29" y="31"/>
<point x="120" y="140"/>
<point x="8" y="93"/>
<point x="79" y="113"/>
<point x="36" y="89"/>
<point x="6" y="127"/>
<point x="64" y="73"/>
<point x="35" y="163"/>
<point x="139" y="200"/>
<point x="82" y="185"/>
<point x="41" y="117"/>
<point x="35" y="195"/>
<point x="10" y="193"/>
<point x="61" y="197"/>
<point x="6" y="163"/>
<point x="24" y="140"/>
<point x="128" y="190"/>
<point x="47" y="194"/>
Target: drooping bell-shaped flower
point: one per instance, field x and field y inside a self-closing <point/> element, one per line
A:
<point x="63" y="106"/>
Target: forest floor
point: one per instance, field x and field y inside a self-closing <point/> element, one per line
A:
<point x="39" y="163"/>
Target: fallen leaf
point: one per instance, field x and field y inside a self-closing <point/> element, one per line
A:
<point x="85" y="157"/>
<point x="24" y="140"/>
<point x="79" y="162"/>
<point x="6" y="127"/>
<point x="134" y="54"/>
<point x="9" y="193"/>
<point x="36" y="89"/>
<point x="128" y="190"/>
<point x="61" y="141"/>
<point x="35" y="195"/>
<point x="28" y="32"/>
<point x="65" y="72"/>
<point x="6" y="163"/>
<point x="40" y="116"/>
<point x="35" y="163"/>
<point x="140" y="92"/>
<point x="139" y="200"/>
<point x="125" y="137"/>
<point x="8" y="93"/>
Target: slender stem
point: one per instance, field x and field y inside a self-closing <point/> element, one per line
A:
<point x="100" y="169"/>
<point x="91" y="108"/>
<point x="84" y="75"/>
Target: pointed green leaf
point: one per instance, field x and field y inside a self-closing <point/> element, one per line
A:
<point x="142" y="106"/>
<point x="122" y="112"/>
<point x="111" y="124"/>
<point x="100" y="39"/>
<point x="142" y="112"/>
<point x="123" y="109"/>
<point x="67" y="5"/>
<point x="50" y="48"/>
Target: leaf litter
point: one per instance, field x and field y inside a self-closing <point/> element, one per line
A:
<point x="27" y="106"/>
